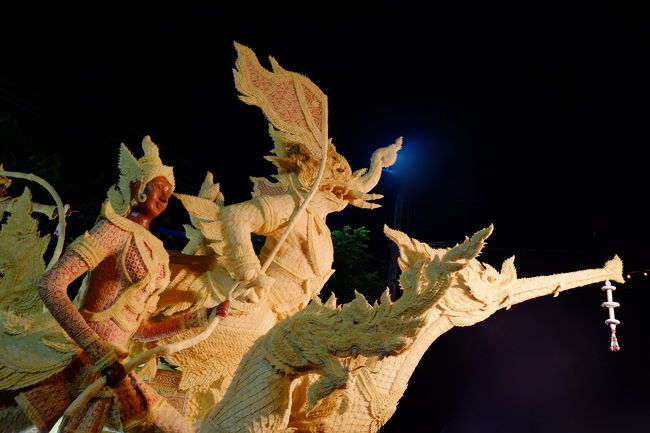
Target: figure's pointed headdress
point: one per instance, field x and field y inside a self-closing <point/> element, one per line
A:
<point x="291" y="102"/>
<point x="132" y="170"/>
<point x="297" y="112"/>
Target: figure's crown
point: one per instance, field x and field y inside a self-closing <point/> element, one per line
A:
<point x="132" y="170"/>
<point x="151" y="166"/>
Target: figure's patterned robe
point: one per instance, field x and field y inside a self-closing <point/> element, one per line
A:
<point x="129" y="270"/>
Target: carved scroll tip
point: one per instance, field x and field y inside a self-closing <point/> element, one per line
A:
<point x="331" y="301"/>
<point x="483" y="233"/>
<point x="275" y="67"/>
<point x="615" y="267"/>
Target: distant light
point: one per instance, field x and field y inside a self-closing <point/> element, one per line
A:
<point x="629" y="276"/>
<point x="416" y="159"/>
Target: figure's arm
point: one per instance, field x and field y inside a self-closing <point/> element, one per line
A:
<point x="53" y="290"/>
<point x="152" y="330"/>
<point x="50" y="211"/>
<point x="261" y="215"/>
<point x="82" y="256"/>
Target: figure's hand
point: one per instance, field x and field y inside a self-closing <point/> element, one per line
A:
<point x="261" y="282"/>
<point x="67" y="211"/>
<point x="254" y="284"/>
<point x="114" y="373"/>
<point x="221" y="310"/>
<point x="387" y="156"/>
<point x="253" y="277"/>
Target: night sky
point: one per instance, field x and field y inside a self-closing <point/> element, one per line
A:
<point x="529" y="117"/>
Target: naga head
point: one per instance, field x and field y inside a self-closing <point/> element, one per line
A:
<point x="358" y="328"/>
<point x="297" y="165"/>
<point x="387" y="328"/>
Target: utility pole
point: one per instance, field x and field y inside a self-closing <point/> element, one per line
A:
<point x="393" y="269"/>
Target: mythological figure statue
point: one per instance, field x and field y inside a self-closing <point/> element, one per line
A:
<point x="128" y="271"/>
<point x="303" y="263"/>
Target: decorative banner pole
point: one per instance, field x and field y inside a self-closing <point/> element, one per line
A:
<point x="611" y="321"/>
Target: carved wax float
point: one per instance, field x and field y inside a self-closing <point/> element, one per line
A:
<point x="279" y="363"/>
<point x="284" y="361"/>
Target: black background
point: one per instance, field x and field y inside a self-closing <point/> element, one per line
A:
<point x="531" y="116"/>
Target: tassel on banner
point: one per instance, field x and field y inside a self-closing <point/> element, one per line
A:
<point x="613" y="346"/>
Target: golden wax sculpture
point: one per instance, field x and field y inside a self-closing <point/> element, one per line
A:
<point x="282" y="360"/>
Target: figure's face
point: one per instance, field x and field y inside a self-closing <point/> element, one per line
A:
<point x="158" y="192"/>
<point x="339" y="167"/>
<point x="337" y="174"/>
